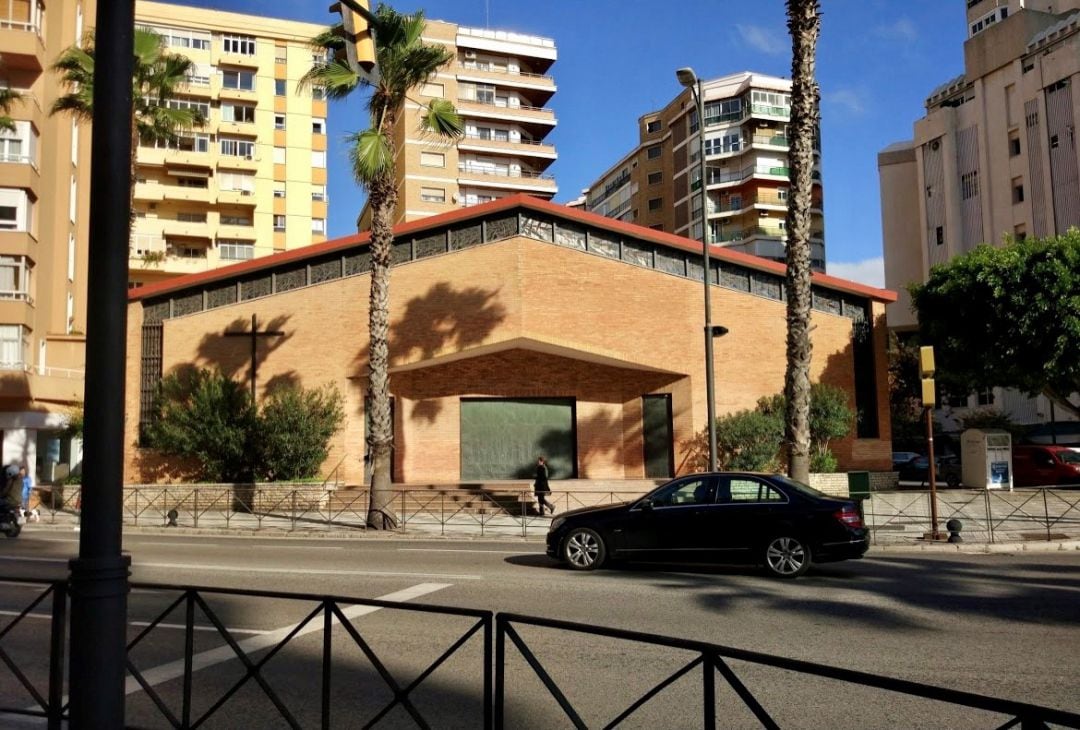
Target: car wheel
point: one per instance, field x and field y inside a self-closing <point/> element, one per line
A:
<point x="583" y="549"/>
<point x="14" y="529"/>
<point x="787" y="557"/>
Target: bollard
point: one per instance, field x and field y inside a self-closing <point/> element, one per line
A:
<point x="954" y="526"/>
<point x="170" y="518"/>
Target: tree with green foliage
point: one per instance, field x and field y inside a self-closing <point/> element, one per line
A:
<point x="804" y="25"/>
<point x="8" y="97"/>
<point x="208" y="418"/>
<point x="403" y="62"/>
<point x="156" y="78"/>
<point x="830" y="419"/>
<point x="905" y="393"/>
<point x="749" y="441"/>
<point x="1007" y="316"/>
<point x="295" y="427"/>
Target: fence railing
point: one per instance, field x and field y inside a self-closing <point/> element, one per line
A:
<point x="987" y="516"/>
<point x="488" y="678"/>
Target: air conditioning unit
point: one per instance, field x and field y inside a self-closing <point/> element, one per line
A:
<point x="470" y="54"/>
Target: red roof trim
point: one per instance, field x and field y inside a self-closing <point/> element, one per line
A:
<point x="519" y="200"/>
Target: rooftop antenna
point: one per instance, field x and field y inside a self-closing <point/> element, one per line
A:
<point x="487" y="14"/>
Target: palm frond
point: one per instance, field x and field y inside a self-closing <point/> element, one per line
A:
<point x="334" y="77"/>
<point x="441" y="119"/>
<point x="369" y="155"/>
<point x="330" y="39"/>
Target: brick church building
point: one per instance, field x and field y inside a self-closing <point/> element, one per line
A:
<point x="518" y="327"/>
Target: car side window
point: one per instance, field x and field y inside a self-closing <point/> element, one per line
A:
<point x="742" y="490"/>
<point x="690" y="491"/>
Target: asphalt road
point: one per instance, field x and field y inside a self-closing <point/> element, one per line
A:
<point x="1006" y="626"/>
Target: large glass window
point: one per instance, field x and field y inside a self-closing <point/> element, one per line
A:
<point x="237" y="147"/>
<point x="14" y="342"/>
<point x="240" y="44"/>
<point x="16" y="210"/>
<point x="236" y="250"/>
<point x="15" y="277"/>
<point x="240" y="113"/>
<point x="18" y="145"/>
<point x="237" y="79"/>
<point x="236" y="182"/>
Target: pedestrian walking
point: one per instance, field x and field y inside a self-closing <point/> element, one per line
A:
<point x="27" y="487"/>
<point x="541" y="487"/>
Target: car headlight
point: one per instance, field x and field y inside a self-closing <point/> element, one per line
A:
<point x="556" y="524"/>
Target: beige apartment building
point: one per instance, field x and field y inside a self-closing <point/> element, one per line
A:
<point x="252" y="182"/>
<point x="994" y="156"/>
<point x="746" y="155"/>
<point x="499" y="84"/>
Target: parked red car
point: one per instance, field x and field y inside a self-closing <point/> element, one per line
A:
<point x="1038" y="466"/>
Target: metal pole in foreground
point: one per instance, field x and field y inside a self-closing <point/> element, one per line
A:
<point x="99" y="576"/>
<point x="689" y="79"/>
<point x="934" y="534"/>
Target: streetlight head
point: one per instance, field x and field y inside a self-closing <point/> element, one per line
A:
<point x="686" y="76"/>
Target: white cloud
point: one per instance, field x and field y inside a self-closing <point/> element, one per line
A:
<point x="903" y="30"/>
<point x="763" y="39"/>
<point x="870" y="271"/>
<point x="848" y="100"/>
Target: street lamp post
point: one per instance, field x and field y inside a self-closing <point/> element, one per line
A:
<point x="690" y="80"/>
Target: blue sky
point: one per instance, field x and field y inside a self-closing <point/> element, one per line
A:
<point x="877" y="62"/>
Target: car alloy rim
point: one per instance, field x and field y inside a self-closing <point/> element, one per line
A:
<point x="786" y="555"/>
<point x="582" y="549"/>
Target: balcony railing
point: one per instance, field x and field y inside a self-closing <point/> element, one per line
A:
<point x="496" y="105"/>
<point x="505" y="71"/>
<point x="18" y="159"/>
<point x="16" y="295"/>
<point x="522" y="140"/>
<point x="500" y="172"/>
<point x="775" y="140"/>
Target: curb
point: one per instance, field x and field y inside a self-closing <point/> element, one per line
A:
<point x="1052" y="546"/>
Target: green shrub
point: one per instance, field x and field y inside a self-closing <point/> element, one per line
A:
<point x="748" y="441"/>
<point x="822" y="462"/>
<point x="294" y="428"/>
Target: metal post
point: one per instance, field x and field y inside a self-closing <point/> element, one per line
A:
<point x="99" y="576"/>
<point x="1046" y="513"/>
<point x="934" y="534"/>
<point x="56" y="655"/>
<point x="710" y="378"/>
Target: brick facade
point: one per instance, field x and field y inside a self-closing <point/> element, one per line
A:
<point x="517" y="317"/>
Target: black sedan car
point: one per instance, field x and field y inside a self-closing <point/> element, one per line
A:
<point x="715" y="518"/>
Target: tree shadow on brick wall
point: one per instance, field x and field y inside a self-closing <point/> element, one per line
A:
<point x="232" y="354"/>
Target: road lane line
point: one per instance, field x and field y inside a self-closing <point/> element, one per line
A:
<point x="202" y="660"/>
<point x="138" y="543"/>
<point x="466" y="550"/>
<point x="18" y="558"/>
<point x="181" y="627"/>
<point x="305" y="571"/>
<point x="302" y="547"/>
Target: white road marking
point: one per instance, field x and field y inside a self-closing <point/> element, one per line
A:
<point x="19" y="558"/>
<point x="466" y="550"/>
<point x="55" y="539"/>
<point x="181" y="627"/>
<point x="302" y="547"/>
<point x="305" y="571"/>
<point x="175" y="670"/>
<point x="176" y="544"/>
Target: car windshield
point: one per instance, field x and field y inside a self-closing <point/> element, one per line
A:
<point x="1070" y="456"/>
<point x="804" y="489"/>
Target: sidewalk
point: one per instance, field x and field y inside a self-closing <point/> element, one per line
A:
<point x="493" y="528"/>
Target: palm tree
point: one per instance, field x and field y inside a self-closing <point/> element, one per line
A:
<point x="403" y="62"/>
<point x="804" y="24"/>
<point x="156" y="78"/>
<point x="7" y="98"/>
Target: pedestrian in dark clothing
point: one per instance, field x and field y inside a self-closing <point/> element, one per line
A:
<point x="541" y="487"/>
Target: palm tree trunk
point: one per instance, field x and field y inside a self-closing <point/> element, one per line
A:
<point x="383" y="192"/>
<point x="804" y="24"/>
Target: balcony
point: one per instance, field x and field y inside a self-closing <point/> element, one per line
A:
<point x="17" y="311"/>
<point x="504" y="178"/>
<point x="16" y="295"/>
<point x="237" y="197"/>
<point x="242" y="129"/>
<point x="19" y="171"/>
<point x="538" y="120"/>
<point x="243" y="60"/>
<point x="773" y="112"/>
<point x="772" y="141"/>
<point x="536" y="87"/>
<point x="236" y="162"/>
<point x="20" y="35"/>
<point x="528" y="147"/>
<point x="186" y="229"/>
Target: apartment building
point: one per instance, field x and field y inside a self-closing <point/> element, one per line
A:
<point x="995" y="155"/>
<point x="746" y="155"/>
<point x="250" y="182"/>
<point x="499" y="83"/>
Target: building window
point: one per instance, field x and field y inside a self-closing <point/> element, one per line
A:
<point x="279" y="155"/>
<point x="279" y="121"/>
<point x="236" y="250"/>
<point x="191" y="217"/>
<point x="318" y="125"/>
<point x="279" y="223"/>
<point x="16" y="211"/>
<point x="14" y="342"/>
<point x="279" y="87"/>
<point x="15" y="278"/>
<point x="1019" y="232"/>
<point x="485" y="93"/>
<point x="199" y="74"/>
<point x="176" y="38"/>
<point x="985" y="397"/>
<point x="281" y="54"/>
<point x="969" y="185"/>
<point x="232" y="220"/>
<point x="432" y="159"/>
<point x="279" y="190"/>
<point x="430" y="89"/>
<point x="242" y="45"/>
<point x="318" y="158"/>
<point x="73" y="201"/>
<point x="1014" y="144"/>
<point x="656" y="203"/>
<point x="433" y="195"/>
<point x="318" y="193"/>
<point x="235" y="182"/>
<point x="653" y="125"/>
<point x="318" y="225"/>
<point x="193" y="182"/>
<point x="940" y="235"/>
<point x="655" y="178"/>
<point x="1017" y="190"/>
<point x="239" y="113"/>
<point x="71" y="257"/>
<point x="318" y="93"/>
<point x="654" y="152"/>
<point x="782" y="194"/>
<point x="236" y="147"/>
<point x="239" y="80"/>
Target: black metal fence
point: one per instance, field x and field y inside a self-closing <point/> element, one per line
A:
<point x="489" y="667"/>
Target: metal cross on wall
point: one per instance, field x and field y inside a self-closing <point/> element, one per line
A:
<point x="254" y="334"/>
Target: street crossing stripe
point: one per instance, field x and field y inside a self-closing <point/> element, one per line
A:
<point x="181" y="627"/>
